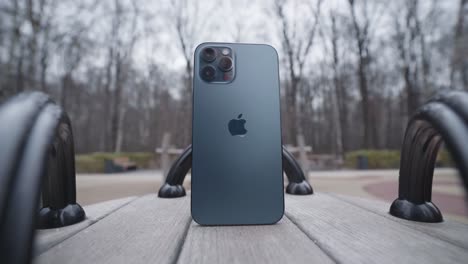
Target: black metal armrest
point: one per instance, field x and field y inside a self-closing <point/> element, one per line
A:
<point x="173" y="186"/>
<point x="443" y="118"/>
<point x="36" y="149"/>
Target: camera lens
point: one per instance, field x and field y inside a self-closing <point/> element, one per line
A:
<point x="208" y="73"/>
<point x="225" y="64"/>
<point x="208" y="54"/>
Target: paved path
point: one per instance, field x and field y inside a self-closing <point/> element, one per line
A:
<point x="94" y="188"/>
<point x="375" y="184"/>
<point x="447" y="191"/>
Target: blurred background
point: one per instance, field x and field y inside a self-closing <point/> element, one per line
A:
<point x="352" y="72"/>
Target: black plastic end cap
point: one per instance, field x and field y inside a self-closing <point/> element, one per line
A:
<point x="54" y="218"/>
<point x="299" y="188"/>
<point x="171" y="191"/>
<point x="425" y="212"/>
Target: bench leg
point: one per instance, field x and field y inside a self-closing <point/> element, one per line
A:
<point x="29" y="124"/>
<point x="445" y="118"/>
<point x="173" y="186"/>
<point x="59" y="207"/>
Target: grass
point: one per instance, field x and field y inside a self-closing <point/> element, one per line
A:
<point x="389" y="159"/>
<point x="94" y="162"/>
<point x="376" y="159"/>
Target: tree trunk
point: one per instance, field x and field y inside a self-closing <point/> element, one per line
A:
<point x="292" y="112"/>
<point x="339" y="105"/>
<point x="116" y="111"/>
<point x="361" y="38"/>
<point x="34" y="18"/>
<point x="108" y="101"/>
<point x="459" y="56"/>
<point x="364" y="101"/>
<point x="44" y="58"/>
<point x="19" y="73"/>
<point x="67" y="83"/>
<point x="44" y="67"/>
<point x="120" y="131"/>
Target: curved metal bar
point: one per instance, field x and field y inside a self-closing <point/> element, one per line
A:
<point x="454" y="132"/>
<point x="59" y="186"/>
<point x="37" y="117"/>
<point x="456" y="100"/>
<point x="298" y="184"/>
<point x="443" y="118"/>
<point x="173" y="186"/>
<point x="16" y="118"/>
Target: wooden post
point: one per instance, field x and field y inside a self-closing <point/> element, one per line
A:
<point x="303" y="155"/>
<point x="164" y="150"/>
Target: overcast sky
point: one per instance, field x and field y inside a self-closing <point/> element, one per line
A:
<point x="223" y="21"/>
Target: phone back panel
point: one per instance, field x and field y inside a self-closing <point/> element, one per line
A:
<point x="238" y="180"/>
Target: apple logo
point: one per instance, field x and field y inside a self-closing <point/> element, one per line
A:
<point x="236" y="126"/>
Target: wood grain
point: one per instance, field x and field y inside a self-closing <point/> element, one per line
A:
<point x="279" y="243"/>
<point x="147" y="230"/>
<point x="47" y="238"/>
<point x="320" y="228"/>
<point x="351" y="234"/>
<point x="450" y="231"/>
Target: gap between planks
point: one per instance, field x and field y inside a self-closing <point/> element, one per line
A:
<point x="283" y="242"/>
<point x="147" y="230"/>
<point x="450" y="231"/>
<point x="354" y="235"/>
<point x="45" y="239"/>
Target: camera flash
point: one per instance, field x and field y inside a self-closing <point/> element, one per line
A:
<point x="225" y="51"/>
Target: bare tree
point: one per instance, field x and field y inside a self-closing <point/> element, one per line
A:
<point x="16" y="49"/>
<point x="459" y="62"/>
<point x="34" y="14"/>
<point x="123" y="54"/>
<point x="108" y="95"/>
<point x="340" y="92"/>
<point x="121" y="88"/>
<point x="46" y="42"/>
<point x="411" y="43"/>
<point x="405" y="44"/>
<point x="243" y="21"/>
<point x="296" y="47"/>
<point x="189" y="24"/>
<point x="362" y="38"/>
<point x="333" y="88"/>
<point x="72" y="58"/>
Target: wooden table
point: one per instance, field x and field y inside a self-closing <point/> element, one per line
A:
<point x="320" y="228"/>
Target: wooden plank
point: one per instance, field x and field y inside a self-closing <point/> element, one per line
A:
<point x="279" y="243"/>
<point x="350" y="234"/>
<point x="147" y="230"/>
<point x="47" y="238"/>
<point x="450" y="231"/>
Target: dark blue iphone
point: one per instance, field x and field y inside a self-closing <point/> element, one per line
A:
<point x="237" y="176"/>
